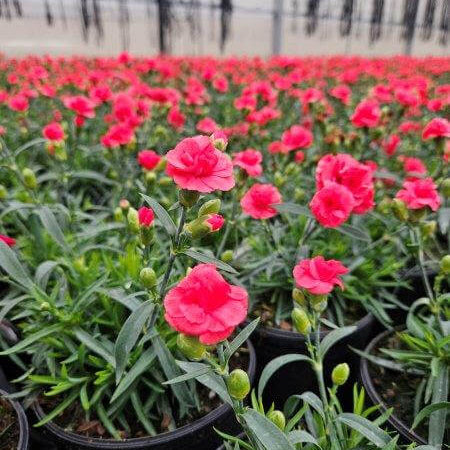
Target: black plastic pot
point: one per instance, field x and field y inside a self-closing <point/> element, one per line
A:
<point x="24" y="436"/>
<point x="199" y="435"/>
<point x="403" y="429"/>
<point x="298" y="377"/>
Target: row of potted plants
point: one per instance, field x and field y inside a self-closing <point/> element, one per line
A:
<point x="311" y="211"/>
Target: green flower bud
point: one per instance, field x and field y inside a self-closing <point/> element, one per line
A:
<point x="417" y="215"/>
<point x="29" y="178"/>
<point x="299" y="194"/>
<point x="124" y="205"/>
<point x="197" y="228"/>
<point x="301" y="321"/>
<point x="133" y="220"/>
<point x="191" y="347"/>
<point x="277" y="418"/>
<point x="146" y="234"/>
<point x="188" y="198"/>
<point x="299" y="297"/>
<point x="445" y="264"/>
<point x="118" y="214"/>
<point x="384" y="206"/>
<point x="161" y="165"/>
<point x="148" y="277"/>
<point x="340" y="374"/>
<point x="319" y="303"/>
<point x="209" y="207"/>
<point x="150" y="177"/>
<point x="80" y="264"/>
<point x="279" y="179"/>
<point x="227" y="256"/>
<point x="400" y="210"/>
<point x="45" y="306"/>
<point x="238" y="384"/>
<point x="60" y="153"/>
<point x="429" y="228"/>
<point x="3" y="192"/>
<point x="445" y="188"/>
<point x="165" y="181"/>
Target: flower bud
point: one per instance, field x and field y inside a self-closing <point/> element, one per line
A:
<point x="150" y="177"/>
<point x="45" y="306"/>
<point x="400" y="210"/>
<point x="301" y="321"/>
<point x="145" y="216"/>
<point x="3" y="192"/>
<point x="80" y="264"/>
<point x="165" y="181"/>
<point x="118" y="214"/>
<point x="148" y="277"/>
<point x="279" y="179"/>
<point x="29" y="178"/>
<point x="319" y="303"/>
<point x="161" y="165"/>
<point x="188" y="198"/>
<point x="445" y="188"/>
<point x="133" y="220"/>
<point x="219" y="140"/>
<point x="299" y="297"/>
<point x="340" y="374"/>
<point x="277" y="418"/>
<point x="299" y="194"/>
<point x="238" y="384"/>
<point x="60" y="152"/>
<point x="124" y="205"/>
<point x="384" y="206"/>
<point x="210" y="207"/>
<point x="428" y="228"/>
<point x="227" y="256"/>
<point x="445" y="264"/>
<point x="190" y="346"/>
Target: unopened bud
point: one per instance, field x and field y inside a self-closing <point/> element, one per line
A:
<point x="133" y="220"/>
<point x="400" y="210"/>
<point x="191" y="347"/>
<point x="299" y="194"/>
<point x="301" y="321"/>
<point x="188" y="198"/>
<point x="445" y="188"/>
<point x="150" y="177"/>
<point x="29" y="178"/>
<point x="445" y="264"/>
<point x="165" y="181"/>
<point x="429" y="228"/>
<point x="3" y="192"/>
<point x="238" y="384"/>
<point x="299" y="297"/>
<point x="124" y="205"/>
<point x="319" y="303"/>
<point x="227" y="256"/>
<point x="277" y="418"/>
<point x="148" y="277"/>
<point x="118" y="214"/>
<point x="279" y="179"/>
<point x="340" y="374"/>
<point x="209" y="207"/>
<point x="80" y="264"/>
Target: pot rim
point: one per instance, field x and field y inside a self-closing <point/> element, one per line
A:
<point x="144" y="442"/>
<point x="24" y="433"/>
<point x="293" y="336"/>
<point x="371" y="390"/>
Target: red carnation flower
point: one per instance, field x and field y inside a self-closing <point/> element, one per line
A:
<point x="53" y="132"/>
<point x="203" y="304"/>
<point x="11" y="242"/>
<point x="297" y="137"/>
<point x="318" y="275"/>
<point x="146" y="216"/>
<point x="436" y="128"/>
<point x="258" y="201"/>
<point x="249" y="160"/>
<point x="148" y="159"/>
<point x="367" y="114"/>
<point x="196" y="165"/>
<point x="420" y="193"/>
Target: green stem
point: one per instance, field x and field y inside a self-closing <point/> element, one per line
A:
<point x="173" y="253"/>
<point x="229" y="225"/>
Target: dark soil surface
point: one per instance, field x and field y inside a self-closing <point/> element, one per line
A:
<point x="74" y="417"/>
<point x="9" y="426"/>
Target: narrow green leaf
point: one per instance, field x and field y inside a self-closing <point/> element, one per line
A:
<point x="425" y="412"/>
<point x="201" y="257"/>
<point x="162" y="215"/>
<point x="300" y="436"/>
<point x="31" y="339"/>
<point x="353" y="232"/>
<point x="50" y="223"/>
<point x="239" y="340"/>
<point x="333" y="337"/>
<point x="94" y="345"/>
<point x="293" y="208"/>
<point x="438" y="417"/>
<point x="11" y="265"/>
<point x="59" y="409"/>
<point x="365" y="427"/>
<point x="189" y="376"/>
<point x="129" y="334"/>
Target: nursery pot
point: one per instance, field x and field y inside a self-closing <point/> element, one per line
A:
<point x="198" y="435"/>
<point x="24" y="432"/>
<point x="401" y="427"/>
<point x="298" y="377"/>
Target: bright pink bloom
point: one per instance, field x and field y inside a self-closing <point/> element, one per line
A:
<point x="299" y="157"/>
<point x="390" y="144"/>
<point x="215" y="222"/>
<point x="203" y="304"/>
<point x="11" y="242"/>
<point x="420" y="193"/>
<point x="118" y="134"/>
<point x="176" y="118"/>
<point x="409" y="127"/>
<point x="332" y="205"/>
<point x="342" y="93"/>
<point x="196" y="165"/>
<point x="277" y="147"/>
<point x="53" y="132"/>
<point x="220" y="84"/>
<point x="81" y="105"/>
<point x="250" y="161"/>
<point x="297" y="137"/>
<point x="258" y="201"/>
<point x="354" y="175"/>
<point x="148" y="159"/>
<point x="414" y="166"/>
<point x="206" y="125"/>
<point x="318" y="275"/>
<point x="146" y="216"/>
<point x="18" y="103"/>
<point x="367" y="114"/>
<point x="438" y="127"/>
